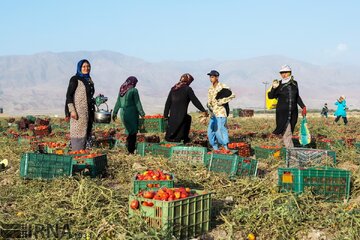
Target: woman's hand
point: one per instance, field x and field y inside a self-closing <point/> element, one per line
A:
<point x="275" y="84"/>
<point x="303" y="113"/>
<point x="74" y="115"/>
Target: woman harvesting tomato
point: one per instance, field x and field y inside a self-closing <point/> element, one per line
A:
<point x="129" y="103"/>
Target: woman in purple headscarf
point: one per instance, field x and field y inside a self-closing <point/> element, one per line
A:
<point x="129" y="101"/>
<point x="80" y="105"/>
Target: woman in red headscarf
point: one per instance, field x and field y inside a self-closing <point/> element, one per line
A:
<point x="129" y="101"/>
<point x="177" y="103"/>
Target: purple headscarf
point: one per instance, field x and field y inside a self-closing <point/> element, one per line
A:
<point x="127" y="85"/>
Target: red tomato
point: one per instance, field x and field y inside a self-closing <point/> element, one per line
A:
<point x="134" y="204"/>
<point x="148" y="194"/>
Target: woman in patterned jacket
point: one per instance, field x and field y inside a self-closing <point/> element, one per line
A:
<point x="80" y="106"/>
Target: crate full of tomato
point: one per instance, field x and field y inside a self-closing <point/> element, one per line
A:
<point x="152" y="180"/>
<point x="56" y="147"/>
<point x="180" y="212"/>
<point x="91" y="164"/>
<point x="152" y="124"/>
<point x="42" y="130"/>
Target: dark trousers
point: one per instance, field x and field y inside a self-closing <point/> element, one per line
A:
<point x="344" y="119"/>
<point x="131" y="143"/>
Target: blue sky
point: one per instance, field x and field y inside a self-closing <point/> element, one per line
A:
<point x="314" y="31"/>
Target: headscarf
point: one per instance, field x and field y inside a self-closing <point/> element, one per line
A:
<point x="185" y="80"/>
<point x="79" y="65"/>
<point x="127" y="85"/>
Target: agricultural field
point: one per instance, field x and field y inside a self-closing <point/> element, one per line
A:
<point x="98" y="208"/>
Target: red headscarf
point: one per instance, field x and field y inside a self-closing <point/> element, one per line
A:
<point x="185" y="80"/>
<point x="127" y="85"/>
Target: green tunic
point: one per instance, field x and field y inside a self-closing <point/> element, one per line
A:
<point x="131" y="110"/>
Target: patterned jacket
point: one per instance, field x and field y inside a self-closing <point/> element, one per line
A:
<point x="216" y="106"/>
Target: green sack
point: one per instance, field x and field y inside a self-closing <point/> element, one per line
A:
<point x="304" y="134"/>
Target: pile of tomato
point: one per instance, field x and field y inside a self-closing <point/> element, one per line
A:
<point x="237" y="145"/>
<point x="55" y="144"/>
<point x="168" y="145"/>
<point x="41" y="127"/>
<point x="270" y="147"/>
<point x="243" y="148"/>
<point x="163" y="194"/>
<point x="91" y="155"/>
<point x="221" y="151"/>
<point x="156" y="175"/>
<point x="79" y="152"/>
<point x="153" y="116"/>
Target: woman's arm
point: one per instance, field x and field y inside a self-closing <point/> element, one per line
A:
<point x="300" y="101"/>
<point x="273" y="93"/>
<point x="73" y="83"/>
<point x="138" y="103"/>
<point x="195" y="100"/>
<point x="117" y="106"/>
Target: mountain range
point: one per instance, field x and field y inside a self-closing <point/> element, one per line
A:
<point x="37" y="84"/>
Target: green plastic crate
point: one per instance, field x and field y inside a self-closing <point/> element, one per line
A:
<point x="139" y="185"/>
<point x="45" y="166"/>
<point x="144" y="148"/>
<point x="357" y="146"/>
<point x="330" y="184"/>
<point x="247" y="167"/>
<point x="191" y="154"/>
<point x="290" y="180"/>
<point x="236" y="112"/>
<point x="58" y="151"/>
<point x="92" y="167"/>
<point x="306" y="157"/>
<point x="184" y="218"/>
<point x="31" y="118"/>
<point x="152" y="125"/>
<point x="264" y="153"/>
<point x="160" y="150"/>
<point x="226" y="163"/>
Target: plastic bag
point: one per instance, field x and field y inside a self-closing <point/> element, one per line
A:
<point x="304" y="134"/>
<point x="270" y="103"/>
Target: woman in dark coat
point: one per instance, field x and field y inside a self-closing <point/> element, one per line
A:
<point x="179" y="122"/>
<point x="129" y="103"/>
<point x="80" y="106"/>
<point x="287" y="93"/>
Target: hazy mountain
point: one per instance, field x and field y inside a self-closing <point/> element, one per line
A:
<point x="36" y="84"/>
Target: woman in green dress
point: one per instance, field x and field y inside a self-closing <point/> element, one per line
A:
<point x="129" y="101"/>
